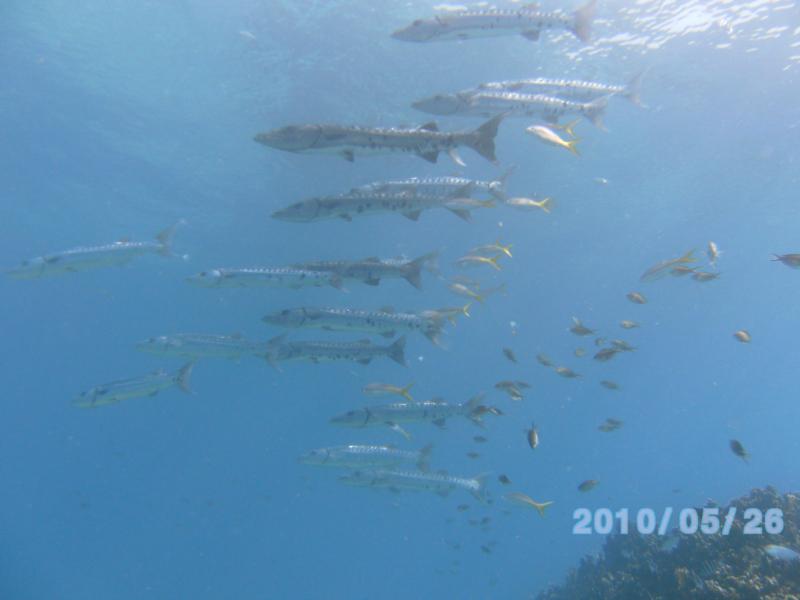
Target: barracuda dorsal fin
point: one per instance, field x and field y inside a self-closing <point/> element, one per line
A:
<point x="349" y="155"/>
<point x="460" y="212"/>
<point x="431" y="126"/>
<point x="532" y="35"/>
<point x="431" y="156"/>
<point x="412" y="214"/>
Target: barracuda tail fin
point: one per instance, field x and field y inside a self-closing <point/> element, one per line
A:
<point x="183" y="377"/>
<point x="424" y="462"/>
<point x="584" y="16"/>
<point x="271" y="354"/>
<point x="165" y="239"/>
<point x="397" y="351"/>
<point x="480" y="493"/>
<point x="482" y="139"/>
<point x="634" y="89"/>
<point x="413" y="271"/>
<point x="595" y="111"/>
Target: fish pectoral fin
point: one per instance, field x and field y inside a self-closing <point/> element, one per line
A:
<point x="430" y="126"/>
<point x="443" y="493"/>
<point x="460" y="213"/>
<point x="349" y="155"/>
<point x="394" y="490"/>
<point x="398" y="429"/>
<point x="364" y="361"/>
<point x="412" y="214"/>
<point x="372" y="281"/>
<point x="440" y="423"/>
<point x="388" y="334"/>
<point x="346" y="217"/>
<point x="431" y="156"/>
<point x="454" y="156"/>
<point x="532" y="35"/>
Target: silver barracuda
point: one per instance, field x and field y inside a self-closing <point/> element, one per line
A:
<point x="481" y="103"/>
<point x="279" y="349"/>
<point x="573" y="89"/>
<point x="425" y="141"/>
<point x="442" y="185"/>
<point x="408" y="203"/>
<point x="126" y="389"/>
<point x="383" y="322"/>
<point x="272" y="277"/>
<point x="371" y="271"/>
<point x="396" y="480"/>
<point x="356" y="456"/>
<point x="94" y="257"/>
<point x="435" y="411"/>
<point x="201" y="345"/>
<point x="527" y="21"/>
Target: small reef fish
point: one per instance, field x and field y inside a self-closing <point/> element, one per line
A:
<point x="496" y="248"/>
<point x="372" y="270"/>
<point x="738" y="450"/>
<point x="713" y="253"/>
<point x="509" y="354"/>
<point x="450" y="313"/>
<point x="661" y="269"/>
<point x="504" y="479"/>
<point x="573" y="89"/>
<point x="609" y="385"/>
<point x="473" y="455"/>
<point x="201" y="345"/>
<point x="588" y="485"/>
<point x="387" y="389"/>
<point x="579" y="352"/>
<point x="443" y="186"/>
<point x="681" y="271"/>
<point x="526" y="501"/>
<point x="704" y="276"/>
<point x="567" y="373"/>
<point x="743" y="336"/>
<point x="126" y="389"/>
<point x="277" y="277"/>
<point x="628" y="324"/>
<point x="425" y="141"/>
<point x="606" y="354"/>
<point x="544" y="360"/>
<point x="511" y="388"/>
<point x="549" y="136"/>
<point x="385" y="322"/>
<point x="434" y="411"/>
<point x="790" y="260"/>
<point x="88" y="258"/>
<point x="622" y="346"/>
<point x="527" y="21"/>
<point x="636" y="298"/>
<point x="357" y="204"/>
<point x="480" y="296"/>
<point x="357" y="456"/>
<point x="610" y="425"/>
<point x="279" y="349"/>
<point x="532" y="437"/>
<point x="471" y="261"/>
<point x="782" y="553"/>
<point x="527" y="204"/>
<point x="579" y="328"/>
<point x="438" y="483"/>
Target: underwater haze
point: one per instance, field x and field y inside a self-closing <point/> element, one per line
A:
<point x="123" y="119"/>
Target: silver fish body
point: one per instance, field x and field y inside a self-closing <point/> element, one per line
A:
<point x="271" y="277"/>
<point x="201" y="345"/>
<point x="438" y="483"/>
<point x="139" y="387"/>
<point x="372" y="270"/>
<point x="281" y="350"/>
<point x="431" y="411"/>
<point x="526" y="21"/>
<point x="357" y="456"/>
<point x="425" y="141"/>
<point x="442" y="186"/>
<point x="573" y="89"/>
<point x="387" y="324"/>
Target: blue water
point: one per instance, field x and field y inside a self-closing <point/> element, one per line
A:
<point x="120" y="118"/>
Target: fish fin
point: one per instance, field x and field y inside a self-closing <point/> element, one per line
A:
<point x="336" y="282"/>
<point x="480" y="493"/>
<point x="541" y="506"/>
<point x="397" y="351"/>
<point x="688" y="257"/>
<point x="569" y="128"/>
<point x="531" y="34"/>
<point x="594" y="111"/>
<point x="404" y="392"/>
<point x="443" y="493"/>
<point x="153" y="394"/>
<point x="440" y="423"/>
<point x="388" y="334"/>
<point x="349" y="155"/>
<point x="461" y="213"/>
<point x="582" y="26"/>
<point x="471" y="409"/>
<point x="165" y="239"/>
<point x="394" y="490"/>
<point x="431" y="156"/>
<point x="454" y="156"/>
<point x="463" y="193"/>
<point x="413" y="271"/>
<point x="372" y="281"/>
<point x="398" y="429"/>
<point x="572" y="146"/>
<point x="482" y="139"/>
<point x="429" y="126"/>
<point x="412" y="214"/>
<point x="423" y="464"/>
<point x="183" y="377"/>
<point x="634" y="89"/>
<point x="346" y="217"/>
<point x="277" y="340"/>
<point x="364" y="361"/>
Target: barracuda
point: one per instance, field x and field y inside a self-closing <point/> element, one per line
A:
<point x="408" y="203"/>
<point x="361" y="456"/>
<point x="527" y="21"/>
<point x="483" y="103"/>
<point x="438" y="483"/>
<point x="277" y="277"/>
<point x="574" y="89"/>
<point x="201" y="345"/>
<point x="442" y="185"/>
<point x="372" y="270"/>
<point x="126" y="389"/>
<point x="382" y="322"/>
<point x="94" y="257"/>
<point x="435" y="411"/>
<point x="425" y="141"/>
<point x="280" y="350"/>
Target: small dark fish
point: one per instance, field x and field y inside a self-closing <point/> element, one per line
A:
<point x="606" y="354"/>
<point x="544" y="360"/>
<point x="567" y="373"/>
<point x="636" y="298"/>
<point x="579" y="328"/>
<point x="480" y="439"/>
<point x="738" y="450"/>
<point x="628" y="324"/>
<point x="588" y="485"/>
<point x="610" y="425"/>
<point x="473" y="455"/>
<point x="504" y="480"/>
<point x="462" y="507"/>
<point x="532" y="435"/>
<point x="486" y="520"/>
<point x="509" y="354"/>
<point x="622" y="346"/>
<point x="486" y="550"/>
<point x="743" y="336"/>
<point x="704" y="276"/>
<point x="790" y="260"/>
<point x="609" y="385"/>
<point x="681" y="270"/>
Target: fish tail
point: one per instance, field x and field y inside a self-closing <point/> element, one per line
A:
<point x="480" y="493"/>
<point x="688" y="257"/>
<point x="424" y="462"/>
<point x="500" y="193"/>
<point x="404" y="392"/>
<point x="493" y="261"/>
<point x="413" y="271"/>
<point x="569" y="128"/>
<point x="465" y="309"/>
<point x="505" y="249"/>
<point x="183" y="377"/>
<point x="777" y="257"/>
<point x="479" y="298"/>
<point x="595" y="110"/>
<point x="582" y="27"/>
<point x="634" y="89"/>
<point x="165" y="239"/>
<point x="546" y="204"/>
<point x="572" y="146"/>
<point x="541" y="506"/>
<point x="482" y="139"/>
<point x="397" y="351"/>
